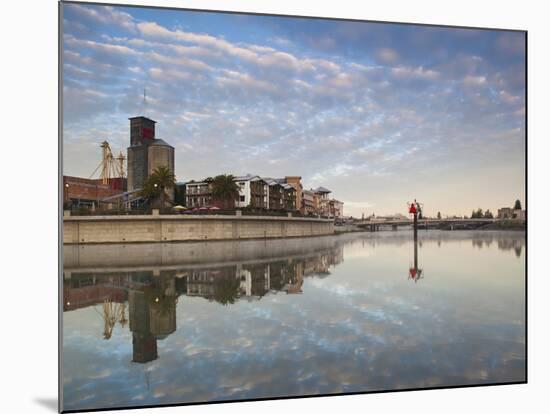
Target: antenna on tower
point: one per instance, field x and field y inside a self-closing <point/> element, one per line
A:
<point x="144" y="101"/>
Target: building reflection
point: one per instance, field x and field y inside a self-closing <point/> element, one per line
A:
<point x="152" y="310"/>
<point x="151" y="296"/>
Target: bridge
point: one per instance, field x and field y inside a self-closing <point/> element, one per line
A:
<point x="375" y="224"/>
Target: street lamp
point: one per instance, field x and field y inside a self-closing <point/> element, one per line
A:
<point x="66" y="193"/>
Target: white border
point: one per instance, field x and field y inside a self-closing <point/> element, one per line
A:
<point x="29" y="203"/>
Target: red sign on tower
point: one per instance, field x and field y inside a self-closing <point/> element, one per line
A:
<point x="147" y="133"/>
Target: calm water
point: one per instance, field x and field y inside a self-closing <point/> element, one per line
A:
<point x="177" y="323"/>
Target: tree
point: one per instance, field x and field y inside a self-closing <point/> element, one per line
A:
<point x="149" y="191"/>
<point x="226" y="290"/>
<point x="439" y="215"/>
<point x="477" y="214"/>
<point x="517" y="205"/>
<point x="154" y="189"/>
<point x="225" y="190"/>
<point x="488" y="214"/>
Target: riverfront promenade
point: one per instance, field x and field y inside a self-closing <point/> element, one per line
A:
<point x="167" y="228"/>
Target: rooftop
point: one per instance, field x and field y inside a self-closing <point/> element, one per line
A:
<point x="160" y="142"/>
<point x="322" y="190"/>
<point x="142" y="117"/>
<point x="246" y="177"/>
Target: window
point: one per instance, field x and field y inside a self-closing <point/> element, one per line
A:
<point x="241" y="199"/>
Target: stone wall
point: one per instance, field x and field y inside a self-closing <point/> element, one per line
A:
<point x="198" y="254"/>
<point x="166" y="228"/>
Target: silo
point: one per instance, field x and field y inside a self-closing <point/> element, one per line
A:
<point x="137" y="166"/>
<point x="161" y="154"/>
<point x="146" y="153"/>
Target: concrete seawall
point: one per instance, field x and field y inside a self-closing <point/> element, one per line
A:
<point x="167" y="228"/>
<point x="106" y="258"/>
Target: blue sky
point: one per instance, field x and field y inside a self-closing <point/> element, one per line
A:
<point x="378" y="113"/>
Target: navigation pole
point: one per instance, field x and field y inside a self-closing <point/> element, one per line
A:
<point x="416" y="210"/>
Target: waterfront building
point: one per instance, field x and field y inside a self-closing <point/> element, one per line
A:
<point x="146" y="153"/>
<point x="505" y="213"/>
<point x="88" y="192"/>
<point x="308" y="202"/>
<point x="296" y="182"/>
<point x="289" y="197"/>
<point x="274" y="194"/>
<point x="323" y="207"/>
<point x="316" y="202"/>
<point x="511" y="214"/>
<point x="336" y="208"/>
<point x="267" y="193"/>
<point x="280" y="194"/>
<point x="252" y="191"/>
<point x="198" y="193"/>
<point x="519" y="214"/>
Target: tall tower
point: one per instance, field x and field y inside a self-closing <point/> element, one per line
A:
<point x="142" y="130"/>
<point x="146" y="152"/>
<point x="142" y="133"/>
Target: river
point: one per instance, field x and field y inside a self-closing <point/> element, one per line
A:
<point x="151" y="324"/>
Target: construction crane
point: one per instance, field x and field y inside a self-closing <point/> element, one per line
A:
<point x="112" y="313"/>
<point x="110" y="166"/>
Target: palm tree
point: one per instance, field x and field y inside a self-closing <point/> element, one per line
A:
<point x="155" y="187"/>
<point x="225" y="190"/>
<point x="226" y="290"/>
<point x="150" y="191"/>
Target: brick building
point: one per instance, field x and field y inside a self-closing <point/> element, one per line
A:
<point x="88" y="192"/>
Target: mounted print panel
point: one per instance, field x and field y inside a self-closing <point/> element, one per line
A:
<point x="262" y="206"/>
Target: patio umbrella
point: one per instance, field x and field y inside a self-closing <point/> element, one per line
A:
<point x="178" y="207"/>
<point x="214" y="208"/>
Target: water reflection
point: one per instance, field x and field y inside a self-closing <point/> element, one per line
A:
<point x="152" y="295"/>
<point x="415" y="273"/>
<point x="167" y="323"/>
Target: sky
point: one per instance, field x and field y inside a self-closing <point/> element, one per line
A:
<point x="378" y="113"/>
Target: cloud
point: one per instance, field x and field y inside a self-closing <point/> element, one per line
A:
<point x="509" y="98"/>
<point x="245" y="81"/>
<point x="186" y="62"/>
<point x="106" y="15"/>
<point x="387" y="55"/>
<point x="100" y="47"/>
<point x="169" y="74"/>
<point x="474" y="80"/>
<point x="403" y="72"/>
